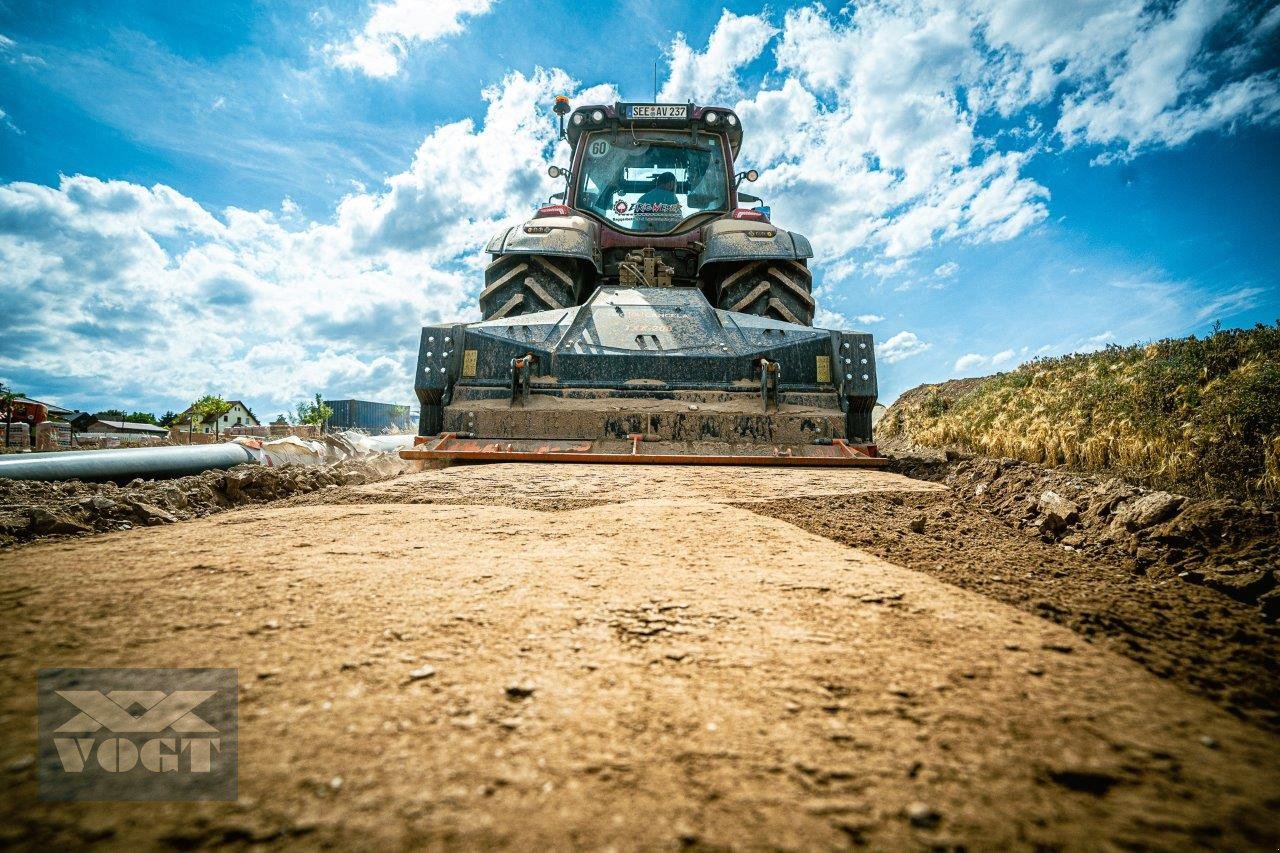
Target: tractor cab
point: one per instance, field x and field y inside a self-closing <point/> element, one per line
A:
<point x="651" y="181"/>
<point x="650" y="198"/>
<point x="652" y="168"/>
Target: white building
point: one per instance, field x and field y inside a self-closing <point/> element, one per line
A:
<point x="237" y="414"/>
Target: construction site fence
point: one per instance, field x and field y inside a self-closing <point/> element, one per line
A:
<point x="179" y="435"/>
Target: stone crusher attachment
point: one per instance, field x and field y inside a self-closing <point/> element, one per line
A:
<point x="649" y="375"/>
<point x="649" y="313"/>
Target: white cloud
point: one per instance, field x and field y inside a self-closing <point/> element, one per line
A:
<point x="1159" y="90"/>
<point x="711" y="75"/>
<point x="153" y="297"/>
<point x="970" y="362"/>
<point x="378" y="50"/>
<point x="8" y="123"/>
<point x="866" y="319"/>
<point x="1094" y="343"/>
<point x="867" y="148"/>
<point x="825" y="318"/>
<point x="900" y="346"/>
<point x="946" y="270"/>
<point x="1226" y="305"/>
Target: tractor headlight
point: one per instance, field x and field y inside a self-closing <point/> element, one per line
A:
<point x="732" y="120"/>
<point x="597" y="116"/>
<point x="711" y="117"/>
<point x="577" y="118"/>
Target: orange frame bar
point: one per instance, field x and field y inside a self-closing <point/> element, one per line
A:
<point x="449" y="447"/>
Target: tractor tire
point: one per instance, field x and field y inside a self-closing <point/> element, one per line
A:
<point x="776" y="288"/>
<point x="525" y="284"/>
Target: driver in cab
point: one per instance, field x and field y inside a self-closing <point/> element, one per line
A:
<point x="659" y="209"/>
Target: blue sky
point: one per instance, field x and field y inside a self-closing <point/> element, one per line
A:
<point x="265" y="200"/>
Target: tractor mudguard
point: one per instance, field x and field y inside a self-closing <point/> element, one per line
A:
<point x="748" y="240"/>
<point x="562" y="236"/>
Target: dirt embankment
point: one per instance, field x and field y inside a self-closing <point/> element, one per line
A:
<point x="1199" y="416"/>
<point x="1230" y="547"/>
<point x="32" y="509"/>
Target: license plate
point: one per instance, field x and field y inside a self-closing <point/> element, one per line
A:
<point x="670" y="112"/>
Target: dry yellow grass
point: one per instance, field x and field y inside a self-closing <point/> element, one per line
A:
<point x="1201" y="415"/>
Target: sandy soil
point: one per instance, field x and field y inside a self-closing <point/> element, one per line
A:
<point x="622" y="657"/>
<point x="1199" y="638"/>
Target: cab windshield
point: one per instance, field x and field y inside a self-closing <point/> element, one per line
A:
<point x="651" y="182"/>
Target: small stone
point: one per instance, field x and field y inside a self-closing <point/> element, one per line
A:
<point x="45" y="522"/>
<point x="1061" y="648"/>
<point x="520" y="689"/>
<point x="421" y="673"/>
<point x="917" y="524"/>
<point x="677" y="656"/>
<point x="151" y="514"/>
<point x="922" y="815"/>
<point x="1208" y="742"/>
<point x="1035" y="670"/>
<point x="271" y="624"/>
<point x="1056" y="512"/>
<point x="335" y="784"/>
<point x="1147" y="510"/>
<point x="102" y="504"/>
<point x="510" y="723"/>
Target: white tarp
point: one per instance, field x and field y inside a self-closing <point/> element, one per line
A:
<point x="329" y="448"/>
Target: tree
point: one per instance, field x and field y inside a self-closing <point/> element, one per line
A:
<point x="280" y="420"/>
<point x="206" y="408"/>
<point x="400" y="416"/>
<point x="7" y="399"/>
<point x="167" y="420"/>
<point x="142" y="418"/>
<point x="314" y="413"/>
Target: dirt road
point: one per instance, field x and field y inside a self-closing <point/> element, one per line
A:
<point x="615" y="657"/>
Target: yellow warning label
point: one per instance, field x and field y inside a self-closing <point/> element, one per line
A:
<point x="824" y="368"/>
<point x="469" y="362"/>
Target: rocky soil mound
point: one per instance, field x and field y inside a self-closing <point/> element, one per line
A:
<point x="1222" y="544"/>
<point x="31" y="509"/>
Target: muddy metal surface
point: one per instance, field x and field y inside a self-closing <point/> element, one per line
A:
<point x="611" y="656"/>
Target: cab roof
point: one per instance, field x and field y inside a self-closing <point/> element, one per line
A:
<point x="655" y="116"/>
